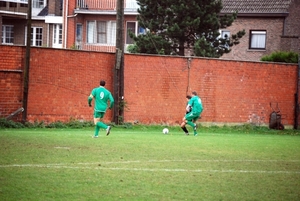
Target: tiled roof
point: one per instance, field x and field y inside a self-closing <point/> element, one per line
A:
<point x="256" y="6"/>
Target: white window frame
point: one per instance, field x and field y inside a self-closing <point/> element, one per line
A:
<point x="90" y="32"/>
<point x="128" y="39"/>
<point x="257" y="39"/>
<point x="7" y="34"/>
<point x="35" y="33"/>
<point x="102" y="32"/>
<point x="57" y="36"/>
<point x="223" y="33"/>
<point x="79" y="32"/>
<point x="38" y="3"/>
<point x="35" y="41"/>
<point x="93" y="37"/>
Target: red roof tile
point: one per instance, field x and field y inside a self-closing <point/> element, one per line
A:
<point x="256" y="6"/>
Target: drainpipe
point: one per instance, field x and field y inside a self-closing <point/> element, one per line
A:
<point x="65" y="14"/>
<point x="297" y="95"/>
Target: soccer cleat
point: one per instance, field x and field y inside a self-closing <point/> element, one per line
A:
<point x="186" y="134"/>
<point x="95" y="136"/>
<point x="195" y="127"/>
<point x="108" y="130"/>
<point x="195" y="134"/>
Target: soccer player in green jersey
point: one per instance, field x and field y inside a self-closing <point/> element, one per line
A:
<point x="101" y="96"/>
<point x="190" y="118"/>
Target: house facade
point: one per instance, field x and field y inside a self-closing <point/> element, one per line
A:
<point x="91" y="24"/>
<point x="270" y="25"/>
<point x="46" y="22"/>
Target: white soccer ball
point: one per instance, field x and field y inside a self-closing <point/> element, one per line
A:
<point x="165" y="131"/>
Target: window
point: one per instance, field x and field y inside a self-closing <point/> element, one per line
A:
<point x="224" y="34"/>
<point x="23" y="5"/>
<point x="7" y="34"/>
<point x="103" y="32"/>
<point x="57" y="35"/>
<point x="223" y="39"/>
<point x="36" y="36"/>
<point x="257" y="39"/>
<point x="38" y="4"/>
<point x="2" y="4"/>
<point x="12" y="5"/>
<point x="90" y="32"/>
<point x="78" y="36"/>
<point x="130" y="28"/>
<point x="142" y="30"/>
<point x="137" y="30"/>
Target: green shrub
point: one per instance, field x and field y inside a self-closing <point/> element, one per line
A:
<point x="286" y="57"/>
<point x="35" y="124"/>
<point x="73" y="123"/>
<point x="57" y="124"/>
<point x="132" y="48"/>
<point x="4" y="123"/>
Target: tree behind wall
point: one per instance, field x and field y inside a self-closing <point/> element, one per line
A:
<point x="173" y="25"/>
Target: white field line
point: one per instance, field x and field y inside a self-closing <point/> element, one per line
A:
<point x="90" y="166"/>
<point x="158" y="170"/>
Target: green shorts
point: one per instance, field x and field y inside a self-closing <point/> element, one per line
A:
<point x="98" y="114"/>
<point x="192" y="116"/>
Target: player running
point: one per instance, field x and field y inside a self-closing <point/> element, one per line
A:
<point x="101" y="96"/>
<point x="191" y="117"/>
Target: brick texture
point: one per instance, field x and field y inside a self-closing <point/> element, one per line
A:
<point x="154" y="90"/>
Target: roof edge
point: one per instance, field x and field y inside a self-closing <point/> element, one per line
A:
<point x="258" y="14"/>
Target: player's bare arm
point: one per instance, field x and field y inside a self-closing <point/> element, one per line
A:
<point x="90" y="98"/>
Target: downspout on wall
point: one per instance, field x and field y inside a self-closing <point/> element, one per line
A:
<point x="296" y="118"/>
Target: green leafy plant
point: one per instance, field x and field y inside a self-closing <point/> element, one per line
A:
<point x="73" y="123"/>
<point x="4" y="123"/>
<point x="171" y="26"/>
<point x="282" y="56"/>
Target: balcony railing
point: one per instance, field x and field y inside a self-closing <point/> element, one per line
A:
<point x="12" y="7"/>
<point x="106" y="5"/>
<point x="96" y="47"/>
<point x="16" y="1"/>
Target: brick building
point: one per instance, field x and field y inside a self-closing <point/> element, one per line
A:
<point x="91" y="25"/>
<point x="46" y="22"/>
<point x="270" y="25"/>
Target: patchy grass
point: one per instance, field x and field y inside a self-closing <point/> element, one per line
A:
<point x="141" y="163"/>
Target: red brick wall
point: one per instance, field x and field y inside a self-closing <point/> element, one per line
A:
<point x="11" y="79"/>
<point x="61" y="81"/>
<point x="231" y="91"/>
<point x="155" y="86"/>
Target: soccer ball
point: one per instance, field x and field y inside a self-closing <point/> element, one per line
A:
<point x="165" y="131"/>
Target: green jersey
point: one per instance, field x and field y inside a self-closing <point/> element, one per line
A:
<point x="196" y="104"/>
<point x="101" y="96"/>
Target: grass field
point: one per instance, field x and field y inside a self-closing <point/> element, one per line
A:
<point x="141" y="163"/>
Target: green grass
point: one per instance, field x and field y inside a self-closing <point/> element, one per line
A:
<point x="141" y="163"/>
